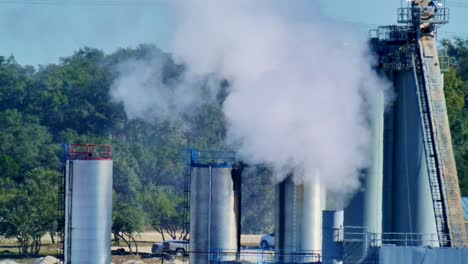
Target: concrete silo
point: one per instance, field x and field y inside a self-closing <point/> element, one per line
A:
<point x="363" y="217"/>
<point x="88" y="204"/>
<point x="332" y="237"/>
<point x="298" y="221"/>
<point x="214" y="207"/>
<point x="412" y="201"/>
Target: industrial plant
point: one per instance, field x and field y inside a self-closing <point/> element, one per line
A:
<point x="409" y="209"/>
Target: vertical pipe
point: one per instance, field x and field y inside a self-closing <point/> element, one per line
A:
<point x="210" y="212"/>
<point x="68" y="205"/>
<point x="237" y="180"/>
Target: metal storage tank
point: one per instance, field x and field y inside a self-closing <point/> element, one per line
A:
<point x="332" y="240"/>
<point x="199" y="214"/>
<point x="413" y="210"/>
<point x="213" y="212"/>
<point x="88" y="205"/>
<point x="298" y="222"/>
<point x="363" y="216"/>
<point x="373" y="183"/>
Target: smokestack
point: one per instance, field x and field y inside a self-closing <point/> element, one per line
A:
<point x="88" y="204"/>
<point x="298" y="219"/>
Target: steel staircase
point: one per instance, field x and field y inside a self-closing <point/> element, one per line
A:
<point x="443" y="179"/>
<point x="430" y="153"/>
<point x="187" y="186"/>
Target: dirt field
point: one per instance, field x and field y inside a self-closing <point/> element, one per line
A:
<point x="145" y="240"/>
<point x="116" y="260"/>
<point x="246" y="240"/>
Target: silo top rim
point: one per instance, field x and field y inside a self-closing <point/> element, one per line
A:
<point x="89" y="152"/>
<point x="210" y="158"/>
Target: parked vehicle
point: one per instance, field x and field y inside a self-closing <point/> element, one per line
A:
<point x="157" y="248"/>
<point x="267" y="241"/>
<point x="174" y="246"/>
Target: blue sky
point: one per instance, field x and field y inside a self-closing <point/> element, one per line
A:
<point x="41" y="33"/>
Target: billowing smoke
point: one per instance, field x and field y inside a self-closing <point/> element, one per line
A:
<point x="148" y="89"/>
<point x="301" y="88"/>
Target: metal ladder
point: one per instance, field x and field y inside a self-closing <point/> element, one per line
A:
<point x="61" y="200"/>
<point x="187" y="186"/>
<point x="435" y="176"/>
<point x="61" y="213"/>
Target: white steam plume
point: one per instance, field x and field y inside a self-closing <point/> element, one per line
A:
<point x="146" y="93"/>
<point x="301" y="89"/>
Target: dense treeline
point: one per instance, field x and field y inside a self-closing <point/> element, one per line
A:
<point x="70" y="102"/>
<point x="456" y="95"/>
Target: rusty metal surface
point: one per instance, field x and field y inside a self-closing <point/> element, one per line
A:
<point x="434" y="83"/>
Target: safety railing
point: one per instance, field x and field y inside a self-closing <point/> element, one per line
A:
<point x="264" y="256"/>
<point x="359" y="234"/>
<point x="338" y="235"/>
<point x="89" y="152"/>
<point x="444" y="62"/>
<point x="403" y="239"/>
<point x="204" y="157"/>
<point x="390" y="33"/>
<point x="354" y="233"/>
<point x="428" y="14"/>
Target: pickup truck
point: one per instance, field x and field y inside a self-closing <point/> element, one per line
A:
<point x="173" y="246"/>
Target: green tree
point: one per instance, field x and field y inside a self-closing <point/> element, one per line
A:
<point x="257" y="200"/>
<point x="456" y="94"/>
<point x="29" y="209"/>
<point x="165" y="211"/>
<point x="14" y="83"/>
<point x="127" y="219"/>
<point x="127" y="213"/>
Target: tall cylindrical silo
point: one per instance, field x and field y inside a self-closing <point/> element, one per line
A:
<point x="223" y="233"/>
<point x="199" y="214"/>
<point x="298" y="221"/>
<point x="373" y="181"/>
<point x="412" y="201"/>
<point x="387" y="189"/>
<point x="213" y="214"/>
<point x="363" y="217"/>
<point x="332" y="239"/>
<point x="88" y="208"/>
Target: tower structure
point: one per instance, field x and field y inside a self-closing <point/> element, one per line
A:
<point x="421" y="193"/>
<point x="88" y="204"/>
<point x="298" y="221"/>
<point x="214" y="184"/>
